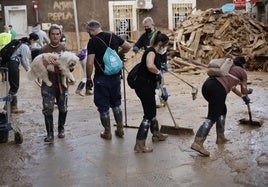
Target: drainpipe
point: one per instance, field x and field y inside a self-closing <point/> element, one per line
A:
<point x="76" y="26"/>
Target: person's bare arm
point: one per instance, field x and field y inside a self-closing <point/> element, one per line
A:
<point x="124" y="48"/>
<point x="89" y="65"/>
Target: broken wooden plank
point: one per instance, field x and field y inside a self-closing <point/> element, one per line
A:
<point x="223" y="28"/>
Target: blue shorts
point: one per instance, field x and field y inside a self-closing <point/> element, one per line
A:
<point x="107" y="92"/>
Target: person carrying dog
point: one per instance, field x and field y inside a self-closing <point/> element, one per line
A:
<point x="107" y="88"/>
<point x="55" y="92"/>
<point x="144" y="42"/>
<point x="149" y="75"/>
<point x="215" y="90"/>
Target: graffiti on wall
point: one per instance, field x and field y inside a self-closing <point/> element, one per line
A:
<point x="62" y="11"/>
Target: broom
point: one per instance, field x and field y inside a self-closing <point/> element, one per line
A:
<point x="176" y="129"/>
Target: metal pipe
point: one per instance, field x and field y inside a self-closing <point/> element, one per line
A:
<point x="76" y="25"/>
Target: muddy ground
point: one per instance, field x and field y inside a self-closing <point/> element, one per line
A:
<point x="84" y="159"/>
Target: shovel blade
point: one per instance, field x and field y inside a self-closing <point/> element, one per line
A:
<point x="176" y="130"/>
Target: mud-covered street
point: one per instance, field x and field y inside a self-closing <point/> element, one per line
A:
<point x="83" y="159"/>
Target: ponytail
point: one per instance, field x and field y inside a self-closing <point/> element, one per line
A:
<point x="158" y="37"/>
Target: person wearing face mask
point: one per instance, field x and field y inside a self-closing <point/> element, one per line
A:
<point x="143" y="43"/>
<point x="149" y="75"/>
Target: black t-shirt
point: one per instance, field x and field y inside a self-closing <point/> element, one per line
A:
<point x="97" y="47"/>
<point x="143" y="71"/>
<point x="144" y="42"/>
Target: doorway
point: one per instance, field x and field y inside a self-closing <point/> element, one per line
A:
<point x="17" y="17"/>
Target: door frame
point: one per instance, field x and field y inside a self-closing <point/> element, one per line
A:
<point x="9" y="9"/>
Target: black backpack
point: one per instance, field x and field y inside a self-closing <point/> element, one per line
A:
<point x="7" y="51"/>
<point x="133" y="75"/>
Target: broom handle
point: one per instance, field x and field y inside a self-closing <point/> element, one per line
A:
<point x="171" y="114"/>
<point x="181" y="79"/>
<point x="169" y="110"/>
<point x="249" y="113"/>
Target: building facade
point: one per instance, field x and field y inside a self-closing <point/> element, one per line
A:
<point x="123" y="17"/>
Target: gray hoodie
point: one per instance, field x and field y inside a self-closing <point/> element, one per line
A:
<point x="43" y="38"/>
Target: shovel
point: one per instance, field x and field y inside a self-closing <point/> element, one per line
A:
<point x="194" y="89"/>
<point x="176" y="130"/>
<point x="250" y="121"/>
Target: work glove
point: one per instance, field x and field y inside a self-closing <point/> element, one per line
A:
<point x="135" y="49"/>
<point x="164" y="95"/>
<point x="82" y="54"/>
<point x="250" y="90"/>
<point x="246" y="99"/>
<point x="159" y="76"/>
<point x="89" y="84"/>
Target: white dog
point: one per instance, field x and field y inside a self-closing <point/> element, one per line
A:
<point x="65" y="61"/>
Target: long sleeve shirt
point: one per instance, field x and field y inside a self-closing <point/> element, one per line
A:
<point x="23" y="56"/>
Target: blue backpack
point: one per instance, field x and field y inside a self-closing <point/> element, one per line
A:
<point x="112" y="62"/>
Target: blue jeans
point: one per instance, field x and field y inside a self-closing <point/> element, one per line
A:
<point x="107" y="92"/>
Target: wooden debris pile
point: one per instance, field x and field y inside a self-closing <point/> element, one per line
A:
<point x="210" y="34"/>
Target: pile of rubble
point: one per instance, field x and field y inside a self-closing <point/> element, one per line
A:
<point x="210" y="34"/>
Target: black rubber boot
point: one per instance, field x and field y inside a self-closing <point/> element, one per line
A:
<point x="49" y="128"/>
<point x="220" y="128"/>
<point x="61" y="123"/>
<point x="119" y="132"/>
<point x="105" y="121"/>
<point x="157" y="135"/>
<point x="201" y="136"/>
<point x="140" y="146"/>
<point x="80" y="87"/>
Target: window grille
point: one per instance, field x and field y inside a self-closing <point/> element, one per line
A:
<point x="180" y="11"/>
<point x="123" y="20"/>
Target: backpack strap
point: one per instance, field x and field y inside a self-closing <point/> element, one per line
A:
<point x="104" y="42"/>
<point x="234" y="77"/>
<point x="106" y="46"/>
<point x="99" y="65"/>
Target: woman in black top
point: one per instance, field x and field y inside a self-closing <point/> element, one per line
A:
<point x="149" y="75"/>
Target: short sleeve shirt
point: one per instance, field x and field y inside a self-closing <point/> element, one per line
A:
<point x="97" y="47"/>
<point x="229" y="82"/>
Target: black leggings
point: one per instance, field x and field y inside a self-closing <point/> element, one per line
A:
<point x="146" y="93"/>
<point x="215" y="94"/>
<point x="13" y="76"/>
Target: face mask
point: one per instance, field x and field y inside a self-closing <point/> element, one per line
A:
<point x="148" y="31"/>
<point x="162" y="51"/>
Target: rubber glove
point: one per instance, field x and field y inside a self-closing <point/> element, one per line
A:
<point x="159" y="76"/>
<point x="89" y="84"/>
<point x="164" y="94"/>
<point x="135" y="49"/>
<point x="246" y="99"/>
<point x="250" y="90"/>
